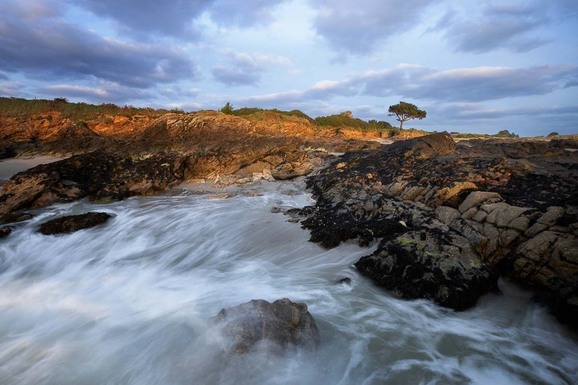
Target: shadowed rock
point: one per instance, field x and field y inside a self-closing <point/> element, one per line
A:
<point x="279" y="327"/>
<point x="432" y="265"/>
<point x="72" y="223"/>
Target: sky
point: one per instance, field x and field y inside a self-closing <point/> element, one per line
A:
<point x="474" y="65"/>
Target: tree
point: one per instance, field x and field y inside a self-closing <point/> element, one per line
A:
<point x="405" y="111"/>
<point x="227" y="109"/>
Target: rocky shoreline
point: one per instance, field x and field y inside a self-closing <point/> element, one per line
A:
<point x="449" y="218"/>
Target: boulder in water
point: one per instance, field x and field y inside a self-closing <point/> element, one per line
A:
<point x="279" y="327"/>
<point x="430" y="264"/>
<point x="72" y="223"/>
<point x="5" y="231"/>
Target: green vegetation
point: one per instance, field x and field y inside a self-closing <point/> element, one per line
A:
<point x="16" y="107"/>
<point x="405" y="111"/>
<point x="227" y="109"/>
<point x="506" y="134"/>
<point x="346" y="120"/>
<point x="246" y="111"/>
<point x="552" y="134"/>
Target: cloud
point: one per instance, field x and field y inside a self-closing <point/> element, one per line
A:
<point x="42" y="45"/>
<point x="467" y="84"/>
<point x="357" y="26"/>
<point x="240" y="68"/>
<point x="421" y="83"/>
<point x="179" y="18"/>
<point x="104" y="92"/>
<point x="143" y="17"/>
<point x="512" y="25"/>
<point x="10" y="88"/>
<point x="243" y="13"/>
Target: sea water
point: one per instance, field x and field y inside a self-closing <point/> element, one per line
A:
<point x="131" y="302"/>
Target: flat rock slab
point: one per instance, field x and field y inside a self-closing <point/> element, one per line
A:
<point x="278" y="327"/>
<point x="72" y="223"/>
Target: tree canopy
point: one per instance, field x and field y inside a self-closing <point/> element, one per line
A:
<point x="406" y="111"/>
<point x="227" y="109"/>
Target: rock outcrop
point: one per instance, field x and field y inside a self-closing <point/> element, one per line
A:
<point x="279" y="327"/>
<point x="100" y="175"/>
<point x="476" y="209"/>
<point x="430" y="264"/>
<point x="72" y="223"/>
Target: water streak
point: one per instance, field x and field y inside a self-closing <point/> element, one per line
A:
<point x="130" y="303"/>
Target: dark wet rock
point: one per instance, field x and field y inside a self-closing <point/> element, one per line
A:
<point x="281" y="326"/>
<point x="72" y="223"/>
<point x="430" y="264"/>
<point x="514" y="203"/>
<point x="15" y="217"/>
<point x="5" y="231"/>
<point x="345" y="281"/>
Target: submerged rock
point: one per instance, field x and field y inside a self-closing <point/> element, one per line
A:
<point x="279" y="327"/>
<point x="72" y="223"/>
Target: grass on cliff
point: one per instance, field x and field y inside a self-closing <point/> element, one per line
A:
<point x="16" y="107"/>
<point x="246" y="111"/>
<point x="346" y="120"/>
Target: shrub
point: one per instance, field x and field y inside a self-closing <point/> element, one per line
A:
<point x="227" y="109"/>
<point x="346" y="120"/>
<point x="506" y="134"/>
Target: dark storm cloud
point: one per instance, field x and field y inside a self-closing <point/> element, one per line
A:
<point x="168" y="18"/>
<point x="512" y="26"/>
<point x="46" y="47"/>
<point x="356" y="26"/>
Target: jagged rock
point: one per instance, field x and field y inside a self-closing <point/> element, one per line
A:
<point x="514" y="204"/>
<point x="281" y="326"/>
<point x="430" y="264"/>
<point x="72" y="223"/>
